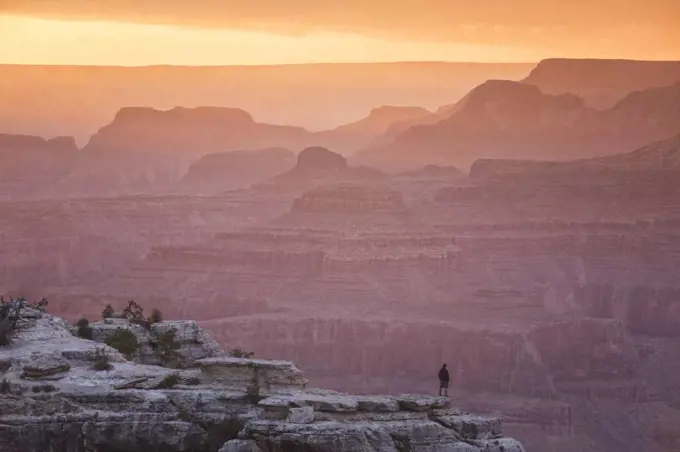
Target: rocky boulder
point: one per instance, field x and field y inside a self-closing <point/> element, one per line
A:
<point x="45" y="366"/>
<point x="264" y="375"/>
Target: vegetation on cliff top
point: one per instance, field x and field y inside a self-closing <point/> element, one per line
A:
<point x="10" y="313"/>
<point x="124" y="341"/>
<point x="239" y="353"/>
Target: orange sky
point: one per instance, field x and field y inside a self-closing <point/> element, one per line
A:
<point x="206" y="32"/>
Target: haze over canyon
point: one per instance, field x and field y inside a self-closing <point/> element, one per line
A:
<point x="371" y="221"/>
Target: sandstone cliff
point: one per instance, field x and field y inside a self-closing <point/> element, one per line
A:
<point x="362" y="133"/>
<point x="317" y="166"/>
<point x="196" y="131"/>
<point x="30" y="165"/>
<point x="556" y="302"/>
<point x="601" y="83"/>
<point x="53" y="397"/>
<point x="77" y="100"/>
<point x="503" y="119"/>
<point x="650" y="172"/>
<point x="216" y="173"/>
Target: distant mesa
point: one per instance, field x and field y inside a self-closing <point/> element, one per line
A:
<point x="650" y="173"/>
<point x="320" y="159"/>
<point x="17" y="143"/>
<point x="144" y="150"/>
<point x="179" y="115"/>
<point x="504" y="97"/>
<point x="192" y="132"/>
<point x="88" y="96"/>
<point x="317" y="166"/>
<point x="658" y="156"/>
<point x="510" y="120"/>
<point x="30" y="165"/>
<point x="210" y="130"/>
<point x="602" y="83"/>
<point x="215" y="173"/>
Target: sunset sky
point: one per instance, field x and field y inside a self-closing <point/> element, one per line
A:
<point x="216" y="32"/>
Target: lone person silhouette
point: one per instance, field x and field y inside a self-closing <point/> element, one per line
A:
<point x="444" y="380"/>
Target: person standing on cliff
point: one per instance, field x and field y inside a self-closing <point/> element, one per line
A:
<point x="444" y="380"/>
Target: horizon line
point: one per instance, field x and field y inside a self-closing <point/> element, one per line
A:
<point x="331" y="63"/>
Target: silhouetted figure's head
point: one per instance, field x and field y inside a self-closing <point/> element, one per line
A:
<point x="444" y="366"/>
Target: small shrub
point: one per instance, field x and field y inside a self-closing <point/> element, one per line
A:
<point x="168" y="382"/>
<point x="5" y="387"/>
<point x="239" y="353"/>
<point x="108" y="312"/>
<point x="6" y="331"/>
<point x="42" y="305"/>
<point x="101" y="359"/>
<point x="156" y="316"/>
<point x="10" y="312"/>
<point x="43" y="388"/>
<point x="124" y="341"/>
<point x="134" y="313"/>
<point x="85" y="333"/>
<point x="166" y="348"/>
<point x="84" y="330"/>
<point x="184" y="415"/>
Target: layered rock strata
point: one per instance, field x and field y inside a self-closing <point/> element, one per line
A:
<point x="60" y="402"/>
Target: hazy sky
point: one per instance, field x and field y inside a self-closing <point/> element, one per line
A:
<point x="137" y="32"/>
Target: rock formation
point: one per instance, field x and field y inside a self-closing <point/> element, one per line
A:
<point x="192" y="342"/>
<point x="317" y="166"/>
<point x="77" y="100"/>
<point x="144" y="150"/>
<point x="602" y="83"/>
<point x="194" y="131"/>
<point x="503" y="119"/>
<point x="350" y="199"/>
<point x="651" y="172"/>
<point x="555" y="298"/>
<point x="54" y="397"/>
<point x="362" y="133"/>
<point x="315" y="159"/>
<point x="30" y="165"/>
<point x="216" y="173"/>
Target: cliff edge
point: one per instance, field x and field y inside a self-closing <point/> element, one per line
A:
<point x="56" y="394"/>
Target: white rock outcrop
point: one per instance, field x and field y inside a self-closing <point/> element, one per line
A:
<point x="194" y="342"/>
<point x="52" y="398"/>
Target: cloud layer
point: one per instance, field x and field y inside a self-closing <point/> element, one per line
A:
<point x="601" y="26"/>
